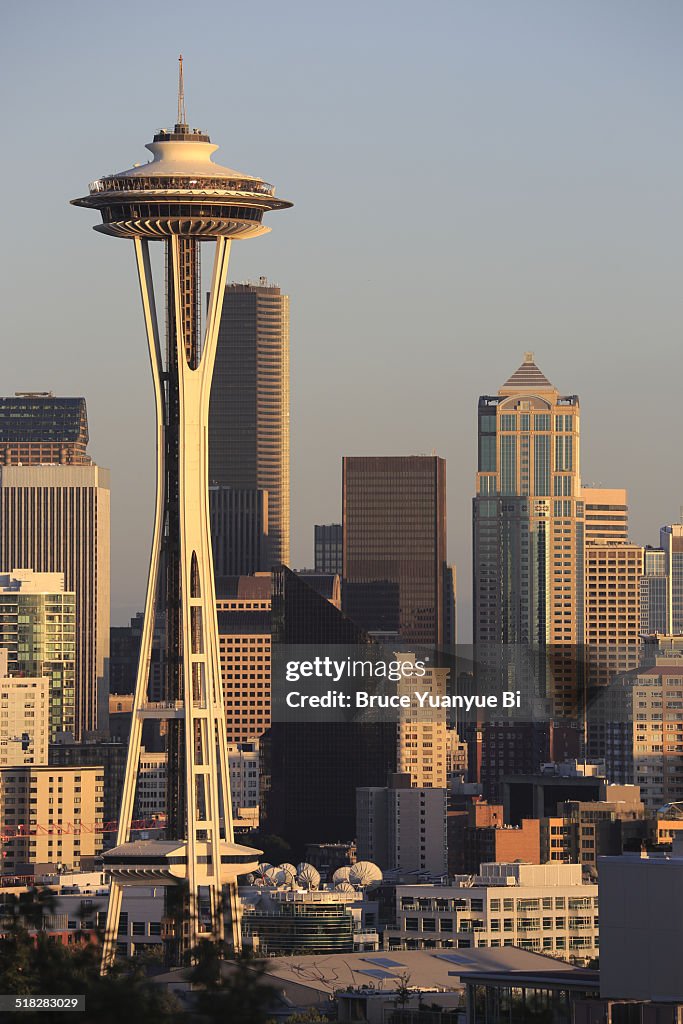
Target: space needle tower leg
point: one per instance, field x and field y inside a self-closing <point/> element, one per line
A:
<point x="181" y="552"/>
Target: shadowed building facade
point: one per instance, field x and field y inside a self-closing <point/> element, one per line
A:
<point x="394" y="546"/>
<point x="239" y="530"/>
<point x="310" y="770"/>
<point x="249" y="410"/>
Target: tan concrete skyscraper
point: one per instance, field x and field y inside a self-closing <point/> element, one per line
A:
<point x="613" y="569"/>
<point x="249" y="411"/>
<point x="529" y="524"/>
<point x="55" y="519"/>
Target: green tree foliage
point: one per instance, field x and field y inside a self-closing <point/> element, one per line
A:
<point x="32" y="963"/>
<point x="275" y="849"/>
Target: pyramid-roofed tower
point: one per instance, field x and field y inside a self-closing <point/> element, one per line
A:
<point x="527" y="377"/>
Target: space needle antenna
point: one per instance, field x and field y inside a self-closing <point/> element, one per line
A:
<point x="181" y="92"/>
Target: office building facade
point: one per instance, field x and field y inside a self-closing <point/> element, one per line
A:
<point x="55" y="519"/>
<point x="249" y="412"/>
<point x="394" y="546"/>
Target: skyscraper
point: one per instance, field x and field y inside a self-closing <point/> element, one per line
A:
<point x="249" y="411"/>
<point x="182" y="198"/>
<point x="529" y="524"/>
<point x="38" y="429"/>
<point x="55" y="519"/>
<point x="394" y="540"/>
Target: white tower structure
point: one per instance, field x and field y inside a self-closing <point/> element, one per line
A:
<point x="182" y="198"/>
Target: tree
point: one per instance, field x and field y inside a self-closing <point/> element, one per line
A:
<point x="34" y="963"/>
<point x="403" y="992"/>
<point x="275" y="849"/>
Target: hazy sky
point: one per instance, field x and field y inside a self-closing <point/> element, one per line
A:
<point x="470" y="179"/>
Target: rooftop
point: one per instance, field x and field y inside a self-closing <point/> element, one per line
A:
<point x="428" y="969"/>
<point x="528" y="377"/>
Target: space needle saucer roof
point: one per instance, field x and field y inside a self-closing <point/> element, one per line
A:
<point x="181" y="190"/>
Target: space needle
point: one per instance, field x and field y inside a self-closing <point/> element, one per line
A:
<point x="182" y="198"/>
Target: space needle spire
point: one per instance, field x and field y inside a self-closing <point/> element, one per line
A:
<point x="182" y="117"/>
<point x="181" y="199"/>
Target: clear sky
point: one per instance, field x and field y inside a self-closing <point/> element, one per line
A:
<point x="471" y="180"/>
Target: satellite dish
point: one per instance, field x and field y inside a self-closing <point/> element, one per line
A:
<point x="364" y="872"/>
<point x="274" y="877"/>
<point x="261" y="874"/>
<point x="342" y="874"/>
<point x="344" y="887"/>
<point x="288" y="874"/>
<point x="250" y="879"/>
<point x="308" y="876"/>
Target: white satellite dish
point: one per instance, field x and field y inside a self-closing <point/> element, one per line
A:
<point x="308" y="876"/>
<point x="344" y="887"/>
<point x="364" y="872"/>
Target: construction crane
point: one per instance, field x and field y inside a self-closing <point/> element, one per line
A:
<point x="75" y="828"/>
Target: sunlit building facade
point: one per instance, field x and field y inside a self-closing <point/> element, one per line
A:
<point x="38" y="632"/>
<point x="529" y="525"/>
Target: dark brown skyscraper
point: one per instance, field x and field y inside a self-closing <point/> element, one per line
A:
<point x="394" y="527"/>
<point x="249" y="411"/>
